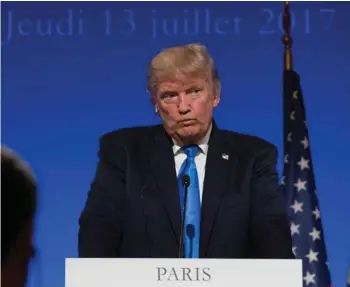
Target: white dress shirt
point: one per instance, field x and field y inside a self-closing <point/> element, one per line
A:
<point x="200" y="159"/>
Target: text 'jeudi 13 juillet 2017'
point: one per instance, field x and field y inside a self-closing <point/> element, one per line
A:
<point x="189" y="22"/>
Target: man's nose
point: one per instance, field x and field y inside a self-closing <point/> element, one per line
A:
<point x="184" y="106"/>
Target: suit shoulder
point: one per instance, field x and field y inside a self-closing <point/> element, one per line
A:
<point x="124" y="136"/>
<point x="250" y="143"/>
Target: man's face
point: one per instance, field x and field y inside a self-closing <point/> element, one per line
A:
<point x="186" y="108"/>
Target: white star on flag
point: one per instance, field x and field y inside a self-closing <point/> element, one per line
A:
<point x="315" y="234"/>
<point x="300" y="185"/>
<point x="297" y="206"/>
<point x="303" y="163"/>
<point x="292" y="115"/>
<point x="316" y="212"/>
<point x="286" y="158"/>
<point x="294" y="228"/>
<point x="312" y="256"/>
<point x="295" y="94"/>
<point x="309" y="278"/>
<point x="289" y="137"/>
<point x="305" y="143"/>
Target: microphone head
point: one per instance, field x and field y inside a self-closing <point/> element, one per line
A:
<point x="190" y="230"/>
<point x="186" y="180"/>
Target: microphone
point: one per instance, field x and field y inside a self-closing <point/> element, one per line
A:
<point x="186" y="184"/>
<point x="145" y="214"/>
<point x="190" y="233"/>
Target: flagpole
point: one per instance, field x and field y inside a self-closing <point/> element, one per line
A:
<point x="287" y="39"/>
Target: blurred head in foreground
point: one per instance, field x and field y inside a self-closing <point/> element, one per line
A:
<point x="18" y="206"/>
<point x="184" y="88"/>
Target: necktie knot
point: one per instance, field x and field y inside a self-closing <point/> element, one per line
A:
<point x="191" y="151"/>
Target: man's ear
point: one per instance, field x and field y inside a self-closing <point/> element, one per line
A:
<point x="216" y="100"/>
<point x="154" y="104"/>
<point x="217" y="94"/>
<point x="217" y="97"/>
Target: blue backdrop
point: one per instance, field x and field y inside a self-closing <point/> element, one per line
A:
<point x="73" y="71"/>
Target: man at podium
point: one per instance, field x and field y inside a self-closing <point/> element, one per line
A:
<point x="185" y="188"/>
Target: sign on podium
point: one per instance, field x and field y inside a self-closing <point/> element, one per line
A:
<point x="86" y="272"/>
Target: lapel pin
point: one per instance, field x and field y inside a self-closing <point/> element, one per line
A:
<point x="224" y="156"/>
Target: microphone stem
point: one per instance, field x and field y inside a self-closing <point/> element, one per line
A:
<point x="181" y="250"/>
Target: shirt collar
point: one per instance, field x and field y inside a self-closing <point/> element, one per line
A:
<point x="203" y="143"/>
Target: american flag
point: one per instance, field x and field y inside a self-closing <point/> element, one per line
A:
<point x="300" y="189"/>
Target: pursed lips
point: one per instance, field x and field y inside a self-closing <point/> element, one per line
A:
<point x="187" y="122"/>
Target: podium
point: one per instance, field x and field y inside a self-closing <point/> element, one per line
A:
<point x="89" y="272"/>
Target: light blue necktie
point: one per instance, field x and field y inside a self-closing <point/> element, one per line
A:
<point x="193" y="208"/>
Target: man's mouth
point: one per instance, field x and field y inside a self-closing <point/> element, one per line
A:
<point x="187" y="122"/>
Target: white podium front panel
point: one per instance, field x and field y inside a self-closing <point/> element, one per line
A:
<point x="86" y="272"/>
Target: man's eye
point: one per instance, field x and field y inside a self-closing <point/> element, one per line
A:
<point x="168" y="95"/>
<point x="195" y="91"/>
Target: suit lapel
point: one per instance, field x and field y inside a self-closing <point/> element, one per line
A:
<point x="163" y="166"/>
<point x="219" y="168"/>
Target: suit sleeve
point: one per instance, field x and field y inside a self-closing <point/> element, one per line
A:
<point x="101" y="220"/>
<point x="270" y="232"/>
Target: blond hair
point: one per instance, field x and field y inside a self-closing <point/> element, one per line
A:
<point x="180" y="63"/>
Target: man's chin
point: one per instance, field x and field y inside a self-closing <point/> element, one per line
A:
<point x="188" y="132"/>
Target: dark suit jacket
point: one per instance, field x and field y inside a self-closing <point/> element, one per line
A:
<point x="133" y="207"/>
